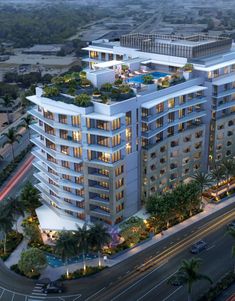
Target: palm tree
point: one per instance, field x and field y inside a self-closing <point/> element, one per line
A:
<point x="66" y="246"/>
<point x="6" y="223"/>
<point x="12" y="137"/>
<point x="7" y="102"/>
<point x="99" y="236"/>
<point x="203" y="180"/>
<point x="217" y="175"/>
<point x="228" y="166"/>
<point x="26" y="123"/>
<point x="188" y="274"/>
<point x="83" y="241"/>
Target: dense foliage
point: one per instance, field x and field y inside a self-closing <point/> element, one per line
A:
<point x="32" y="261"/>
<point x="44" y="26"/>
<point x="174" y="205"/>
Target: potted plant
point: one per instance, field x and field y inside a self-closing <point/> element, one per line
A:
<point x="96" y="93"/>
<point x="85" y="83"/>
<point x="124" y="89"/>
<point x="50" y="91"/>
<point x="82" y="74"/>
<point x="118" y="82"/>
<point x="165" y="83"/>
<point x="148" y="79"/>
<point x="83" y="100"/>
<point x="107" y="87"/>
<point x="104" y="99"/>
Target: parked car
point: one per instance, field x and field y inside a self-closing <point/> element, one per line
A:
<point x="198" y="247"/>
<point x="53" y="287"/>
<point x="231" y="225"/>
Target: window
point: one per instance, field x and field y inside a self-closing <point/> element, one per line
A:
<point x="159" y="122"/>
<point x="65" y="164"/>
<point x="119" y="170"/>
<point x="76" y="121"/>
<point x="160" y="107"/>
<point x="64" y="134"/>
<point x="128" y="118"/>
<point x="62" y="118"/>
<point x="77" y="152"/>
<point x="64" y="149"/>
<point x="171" y="117"/>
<point x="171" y="103"/>
<point x="76" y="136"/>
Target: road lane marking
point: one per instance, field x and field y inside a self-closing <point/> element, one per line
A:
<point x="3" y="290"/>
<point x="172" y="293"/>
<point x="211" y="247"/>
<point x="135" y="283"/>
<point x="95" y="294"/>
<point x="13" y="295"/>
<point x="157" y="285"/>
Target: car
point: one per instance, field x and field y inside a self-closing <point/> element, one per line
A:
<point x="53" y="287"/>
<point x="231" y="225"/>
<point x="176" y="281"/>
<point x="198" y="247"/>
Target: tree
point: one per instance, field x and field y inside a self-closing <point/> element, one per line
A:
<point x="83" y="100"/>
<point x="217" y="175"/>
<point x="82" y="237"/>
<point x="228" y="167"/>
<point x="32" y="261"/>
<point x="32" y="232"/>
<point x="6" y="223"/>
<point x="12" y="137"/>
<point x="66" y="246"/>
<point x="203" y="180"/>
<point x="30" y="198"/>
<point x="26" y="123"/>
<point x="99" y="236"/>
<point x="188" y="274"/>
<point x="16" y="207"/>
<point x="7" y="103"/>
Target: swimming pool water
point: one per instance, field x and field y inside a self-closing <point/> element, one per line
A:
<point x="139" y="79"/>
<point x="55" y="262"/>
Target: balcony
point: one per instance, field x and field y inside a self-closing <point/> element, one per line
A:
<point x="189" y="117"/>
<point x="57" y="190"/>
<point x="53" y="123"/>
<point x="226" y="105"/>
<point x="59" y="203"/>
<point x="53" y="138"/>
<point x="57" y="168"/>
<point x="105" y="149"/>
<point x="55" y="154"/>
<point x="193" y="102"/>
<point x="105" y="133"/>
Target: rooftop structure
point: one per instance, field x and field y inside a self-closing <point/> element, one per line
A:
<point x="189" y="46"/>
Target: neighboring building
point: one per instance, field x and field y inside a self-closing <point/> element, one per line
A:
<point x="48" y="49"/>
<point x="100" y="162"/>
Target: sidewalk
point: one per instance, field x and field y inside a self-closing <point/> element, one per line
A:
<point x="55" y="273"/>
<point x="15" y="255"/>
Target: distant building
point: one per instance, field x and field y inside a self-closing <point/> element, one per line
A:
<point x="48" y="49"/>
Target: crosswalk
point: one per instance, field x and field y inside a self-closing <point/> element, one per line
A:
<point x="37" y="293"/>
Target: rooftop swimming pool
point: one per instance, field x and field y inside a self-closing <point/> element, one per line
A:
<point x="139" y="79"/>
<point x="56" y="262"/>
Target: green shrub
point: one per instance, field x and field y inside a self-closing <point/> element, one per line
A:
<point x="148" y="79"/>
<point x="83" y="100"/>
<point x="90" y="270"/>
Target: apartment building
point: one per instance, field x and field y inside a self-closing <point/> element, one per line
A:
<point x="99" y="163"/>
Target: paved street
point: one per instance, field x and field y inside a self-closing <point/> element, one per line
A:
<point x="125" y="281"/>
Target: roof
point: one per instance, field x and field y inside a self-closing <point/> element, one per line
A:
<point x="167" y="63"/>
<point x="44" y="48"/>
<point x="109" y="64"/>
<point x="155" y="102"/>
<point x="49" y="220"/>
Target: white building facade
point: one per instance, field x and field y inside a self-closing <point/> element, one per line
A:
<point x="99" y="163"/>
